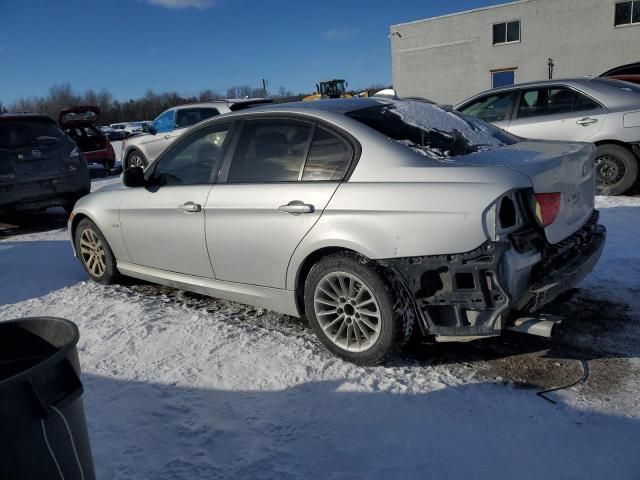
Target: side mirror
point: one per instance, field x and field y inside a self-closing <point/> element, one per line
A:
<point x="152" y="130"/>
<point x="133" y="177"/>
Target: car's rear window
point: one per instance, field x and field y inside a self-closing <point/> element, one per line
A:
<point x="432" y="130"/>
<point x="20" y="133"/>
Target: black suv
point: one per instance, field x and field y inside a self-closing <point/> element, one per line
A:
<point x="40" y="166"/>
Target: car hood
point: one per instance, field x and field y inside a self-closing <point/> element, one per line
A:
<point x="78" y="115"/>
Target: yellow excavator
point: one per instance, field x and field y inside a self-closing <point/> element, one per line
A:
<point x="336" y="88"/>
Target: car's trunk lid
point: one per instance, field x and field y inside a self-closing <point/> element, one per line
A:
<point x="553" y="167"/>
<point x="80" y="115"/>
<point x="31" y="149"/>
<point x="31" y="164"/>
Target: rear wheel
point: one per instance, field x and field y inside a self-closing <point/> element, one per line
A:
<point x="136" y="159"/>
<point x="616" y="169"/>
<point x="94" y="253"/>
<point x="354" y="309"/>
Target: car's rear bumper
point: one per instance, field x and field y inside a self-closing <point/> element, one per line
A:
<point x="100" y="156"/>
<point x="477" y="294"/>
<point x="567" y="275"/>
<point x="52" y="192"/>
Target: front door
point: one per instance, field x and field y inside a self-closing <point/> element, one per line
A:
<point x="494" y="108"/>
<point x="281" y="177"/>
<point x="557" y="113"/>
<point x="163" y="223"/>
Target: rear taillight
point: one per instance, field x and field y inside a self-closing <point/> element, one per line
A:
<point x="547" y="208"/>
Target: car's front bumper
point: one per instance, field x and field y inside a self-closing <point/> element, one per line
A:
<point x="477" y="294"/>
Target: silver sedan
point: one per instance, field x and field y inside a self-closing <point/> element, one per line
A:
<point x="603" y="111"/>
<point x="374" y="218"/>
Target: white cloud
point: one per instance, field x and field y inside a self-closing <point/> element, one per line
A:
<point x="338" y="34"/>
<point x="199" y="4"/>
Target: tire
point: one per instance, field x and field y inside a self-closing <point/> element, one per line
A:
<point x="135" y="158"/>
<point x="90" y="243"/>
<point x="373" y="316"/>
<point x="616" y="169"/>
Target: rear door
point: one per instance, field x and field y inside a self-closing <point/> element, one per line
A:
<point x="277" y="183"/>
<point x="163" y="223"/>
<point x="557" y="113"/>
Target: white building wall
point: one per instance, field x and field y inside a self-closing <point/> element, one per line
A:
<point x="448" y="59"/>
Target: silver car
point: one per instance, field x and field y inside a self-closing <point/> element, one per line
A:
<point x="140" y="150"/>
<point x="372" y="217"/>
<point x="605" y="112"/>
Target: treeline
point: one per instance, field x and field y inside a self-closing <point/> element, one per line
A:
<point x="145" y="108"/>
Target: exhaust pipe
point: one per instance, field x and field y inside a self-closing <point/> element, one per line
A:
<point x="540" y="326"/>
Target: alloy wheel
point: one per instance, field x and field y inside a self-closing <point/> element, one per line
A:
<point x="92" y="252"/>
<point x="347" y="311"/>
<point x="136" y="160"/>
<point x="609" y="170"/>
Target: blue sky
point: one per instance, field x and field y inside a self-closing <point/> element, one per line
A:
<point x="129" y="46"/>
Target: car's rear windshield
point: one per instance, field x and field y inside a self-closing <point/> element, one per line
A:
<point x="431" y="130"/>
<point x="24" y="132"/>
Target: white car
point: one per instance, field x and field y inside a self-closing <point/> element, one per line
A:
<point x="141" y="150"/>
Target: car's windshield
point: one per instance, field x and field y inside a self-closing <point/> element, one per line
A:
<point x="20" y="133"/>
<point x="432" y="130"/>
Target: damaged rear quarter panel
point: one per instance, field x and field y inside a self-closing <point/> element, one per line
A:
<point x="432" y="210"/>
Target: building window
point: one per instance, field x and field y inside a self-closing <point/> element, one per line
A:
<point x="508" y="32"/>
<point x="503" y="78"/>
<point x="627" y="13"/>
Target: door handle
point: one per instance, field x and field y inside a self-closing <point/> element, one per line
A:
<point x="296" y="207"/>
<point x="167" y="137"/>
<point x="190" y="207"/>
<point x="587" y="121"/>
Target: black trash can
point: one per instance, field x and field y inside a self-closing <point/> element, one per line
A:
<point x="43" y="432"/>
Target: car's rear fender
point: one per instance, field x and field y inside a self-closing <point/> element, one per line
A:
<point x="412" y="218"/>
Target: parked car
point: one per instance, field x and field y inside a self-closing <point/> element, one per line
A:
<point x="40" y="166"/>
<point x="172" y="123"/>
<point x="115" y="135"/>
<point x="79" y="123"/>
<point x="605" y="112"/>
<point x="372" y="217"/>
<point x="627" y="73"/>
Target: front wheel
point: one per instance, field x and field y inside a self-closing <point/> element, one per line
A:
<point x="94" y="253"/>
<point x="616" y="169"/>
<point x="136" y="159"/>
<point x="354" y="309"/>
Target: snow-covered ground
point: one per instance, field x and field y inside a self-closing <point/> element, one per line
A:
<point x="183" y="386"/>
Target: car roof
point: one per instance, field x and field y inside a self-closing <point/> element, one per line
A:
<point x="21" y="115"/>
<point x="336" y="105"/>
<point x="613" y="93"/>
<point x="222" y="101"/>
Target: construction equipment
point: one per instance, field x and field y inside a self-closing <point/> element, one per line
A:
<point x="336" y="88"/>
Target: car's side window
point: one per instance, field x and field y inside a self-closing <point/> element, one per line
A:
<point x="185" y="117"/>
<point x="491" y="108"/>
<point x="194" y="160"/>
<point x="328" y="159"/>
<point x="551" y="101"/>
<point x="584" y="103"/>
<point x="165" y="122"/>
<point x="270" y="151"/>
